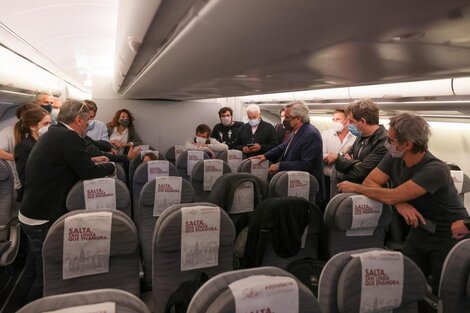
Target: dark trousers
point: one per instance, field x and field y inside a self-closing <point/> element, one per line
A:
<point x="428" y="251"/>
<point x="36" y="236"/>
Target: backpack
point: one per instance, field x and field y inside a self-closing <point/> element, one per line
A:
<point x="308" y="271"/>
<point x="179" y="300"/>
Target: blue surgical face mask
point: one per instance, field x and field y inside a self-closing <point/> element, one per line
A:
<point x="353" y="130"/>
<point x="91" y="125"/>
<point x="254" y="122"/>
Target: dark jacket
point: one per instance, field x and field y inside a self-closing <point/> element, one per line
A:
<point x="22" y="152"/>
<point x="366" y="152"/>
<point x="227" y="135"/>
<point x="281" y="221"/>
<point x="282" y="134"/>
<point x="58" y="160"/>
<point x="304" y="153"/>
<point x="264" y="136"/>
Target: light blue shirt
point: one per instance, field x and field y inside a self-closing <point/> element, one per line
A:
<point x="99" y="131"/>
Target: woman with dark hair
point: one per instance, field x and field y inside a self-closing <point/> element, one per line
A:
<point x="29" y="128"/>
<point x="121" y="131"/>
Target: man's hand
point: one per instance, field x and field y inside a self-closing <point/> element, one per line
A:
<point x="260" y="157"/>
<point x="117" y="143"/>
<point x="100" y="159"/>
<point x="255" y="148"/>
<point x="347" y="186"/>
<point x="347" y="156"/>
<point x="410" y="214"/>
<point x="273" y="169"/>
<point x="330" y="158"/>
<point x="133" y="152"/>
<point x="459" y="230"/>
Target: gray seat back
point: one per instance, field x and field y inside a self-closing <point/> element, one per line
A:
<point x="454" y="288"/>
<point x="167" y="274"/>
<point x="245" y="167"/>
<point x="76" y="198"/>
<point x="279" y="185"/>
<point x="9" y="225"/>
<point x="121" y="173"/>
<point x="135" y="162"/>
<point x="340" y="285"/>
<point x="197" y="179"/>
<point x="223" y="155"/>
<point x="125" y="302"/>
<point x="182" y="164"/>
<point x="140" y="179"/>
<point x="215" y="296"/>
<point x="171" y="155"/>
<point x="338" y="221"/>
<point x="146" y="221"/>
<point x="123" y="260"/>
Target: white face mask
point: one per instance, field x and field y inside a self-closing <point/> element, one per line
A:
<point x="337" y="127"/>
<point x="392" y="149"/>
<point x="254" y="122"/>
<point x="226" y="120"/>
<point x="201" y="140"/>
<point x="43" y="130"/>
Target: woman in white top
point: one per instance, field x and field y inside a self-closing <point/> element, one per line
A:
<point x="204" y="142"/>
<point x="121" y="131"/>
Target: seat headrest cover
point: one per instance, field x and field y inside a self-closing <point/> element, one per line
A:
<point x="357" y="212"/>
<point x="200" y="237"/>
<point x="100" y="193"/>
<point x="261" y="293"/>
<point x="168" y="191"/>
<point x="87" y="242"/>
<point x="379" y="280"/>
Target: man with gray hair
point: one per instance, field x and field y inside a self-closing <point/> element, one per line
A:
<point x="421" y="189"/>
<point x="303" y="151"/>
<point x="46" y="100"/>
<point x="58" y="160"/>
<point x="256" y="136"/>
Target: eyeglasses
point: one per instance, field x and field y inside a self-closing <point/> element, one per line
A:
<point x="389" y="140"/>
<point x="81" y="111"/>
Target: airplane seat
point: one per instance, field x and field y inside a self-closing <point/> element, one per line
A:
<point x="187" y="160"/>
<point x="216" y="294"/>
<point x="148" y="214"/>
<point x="173" y="153"/>
<point x="146" y="172"/>
<point x="259" y="170"/>
<point x="135" y="162"/>
<point x="79" y="199"/>
<point x="121" y="173"/>
<point x="371" y="280"/>
<point x="281" y="230"/>
<point x="98" y="300"/>
<point x="204" y="176"/>
<point x="461" y="180"/>
<point x="91" y="249"/>
<point x="189" y="239"/>
<point x="232" y="157"/>
<point x="454" y="288"/>
<point x="355" y="222"/>
<point x="294" y="184"/>
<point x="238" y="194"/>
<point x="9" y="224"/>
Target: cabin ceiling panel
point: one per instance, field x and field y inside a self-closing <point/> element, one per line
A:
<point x="276" y="45"/>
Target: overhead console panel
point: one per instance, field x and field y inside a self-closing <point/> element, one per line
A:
<point x="219" y="48"/>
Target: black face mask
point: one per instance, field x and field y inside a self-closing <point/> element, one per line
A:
<point x="47" y="107"/>
<point x="286" y="124"/>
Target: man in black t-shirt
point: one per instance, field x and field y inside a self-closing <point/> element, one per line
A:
<point x="422" y="191"/>
<point x="227" y="130"/>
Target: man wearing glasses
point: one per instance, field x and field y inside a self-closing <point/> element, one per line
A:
<point x="58" y="160"/>
<point x="422" y="191"/>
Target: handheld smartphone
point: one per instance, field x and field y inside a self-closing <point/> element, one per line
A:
<point x="250" y="145"/>
<point x="430" y="226"/>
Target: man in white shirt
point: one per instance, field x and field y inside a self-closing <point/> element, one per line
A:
<point x="336" y="140"/>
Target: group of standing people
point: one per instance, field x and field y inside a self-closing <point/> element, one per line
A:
<point x="356" y="154"/>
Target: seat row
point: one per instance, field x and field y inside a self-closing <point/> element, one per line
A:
<point x="368" y="280"/>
